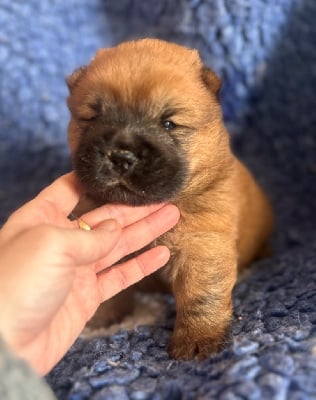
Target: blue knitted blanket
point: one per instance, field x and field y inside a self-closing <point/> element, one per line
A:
<point x="265" y="52"/>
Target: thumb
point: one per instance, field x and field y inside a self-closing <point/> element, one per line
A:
<point x="86" y="247"/>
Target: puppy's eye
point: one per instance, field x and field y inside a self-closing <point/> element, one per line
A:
<point x="87" y="118"/>
<point x="89" y="112"/>
<point x="169" y="125"/>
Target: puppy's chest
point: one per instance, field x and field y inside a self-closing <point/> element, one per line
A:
<point x="194" y="241"/>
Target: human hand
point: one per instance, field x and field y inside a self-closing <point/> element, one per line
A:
<point x="53" y="276"/>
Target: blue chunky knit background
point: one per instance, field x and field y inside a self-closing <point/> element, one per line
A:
<point x="265" y="52"/>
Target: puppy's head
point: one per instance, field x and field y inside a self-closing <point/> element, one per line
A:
<point x="140" y="119"/>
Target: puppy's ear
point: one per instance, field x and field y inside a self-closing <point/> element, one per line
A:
<point x="211" y="80"/>
<point x="75" y="76"/>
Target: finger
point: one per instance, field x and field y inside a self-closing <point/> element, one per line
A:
<point x="88" y="247"/>
<point x="125" y="215"/>
<point x="141" y="233"/>
<point x="64" y="192"/>
<point x="114" y="280"/>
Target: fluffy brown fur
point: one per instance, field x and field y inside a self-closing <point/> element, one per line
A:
<point x="147" y="127"/>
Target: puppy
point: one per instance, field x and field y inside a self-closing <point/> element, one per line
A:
<point x="146" y="127"/>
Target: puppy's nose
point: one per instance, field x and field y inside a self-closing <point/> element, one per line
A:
<point x="122" y="160"/>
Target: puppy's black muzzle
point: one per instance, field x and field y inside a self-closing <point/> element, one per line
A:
<point x="133" y="169"/>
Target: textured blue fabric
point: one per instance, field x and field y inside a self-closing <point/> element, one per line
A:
<point x="265" y="52"/>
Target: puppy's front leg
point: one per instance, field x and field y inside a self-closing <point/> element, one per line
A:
<point x="203" y="277"/>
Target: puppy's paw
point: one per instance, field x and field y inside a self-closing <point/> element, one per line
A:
<point x="187" y="347"/>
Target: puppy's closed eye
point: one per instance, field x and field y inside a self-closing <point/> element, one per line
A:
<point x="90" y="112"/>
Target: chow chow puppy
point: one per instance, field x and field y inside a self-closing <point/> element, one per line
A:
<point x="146" y="127"/>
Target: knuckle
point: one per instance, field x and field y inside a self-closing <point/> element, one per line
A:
<point x="141" y="267"/>
<point x="122" y="279"/>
